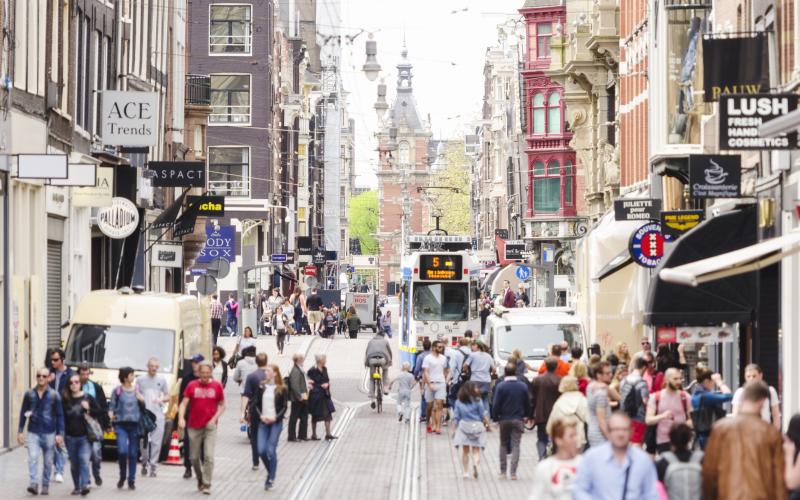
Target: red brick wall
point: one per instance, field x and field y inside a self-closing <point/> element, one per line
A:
<point x="633" y="112"/>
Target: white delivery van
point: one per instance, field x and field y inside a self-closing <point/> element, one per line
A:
<point x="531" y="330"/>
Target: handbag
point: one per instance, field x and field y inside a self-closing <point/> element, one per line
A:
<point x="703" y="419"/>
<point x="94" y="431"/>
<point x="471" y="429"/>
<point x="147" y="420"/>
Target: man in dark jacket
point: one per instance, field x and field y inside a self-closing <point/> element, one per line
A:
<point x="59" y="376"/>
<point x="509" y="297"/>
<point x="544" y="393"/>
<point x="510" y="407"/>
<point x="95" y="390"/>
<point x="298" y="395"/>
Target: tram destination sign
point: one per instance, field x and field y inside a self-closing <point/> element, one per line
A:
<point x="740" y="116"/>
<point x="440" y="267"/>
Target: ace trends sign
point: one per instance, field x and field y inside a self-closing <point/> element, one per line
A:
<point x="741" y="115"/>
<point x="178" y="173"/>
<point x="129" y="118"/>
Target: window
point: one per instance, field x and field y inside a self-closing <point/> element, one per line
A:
<point x="113" y="347"/>
<point x="554" y="113"/>
<point x="538" y="113"/>
<point x="230" y="99"/>
<point x="569" y="184"/>
<point x="543" y="32"/>
<point x="441" y="301"/>
<point x="404" y="153"/>
<point x="229" y="171"/>
<point x="83" y="92"/>
<point x="230" y="29"/>
<point x="546" y="187"/>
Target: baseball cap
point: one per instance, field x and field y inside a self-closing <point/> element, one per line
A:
<point x="198" y="358"/>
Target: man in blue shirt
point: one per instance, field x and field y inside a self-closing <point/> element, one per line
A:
<point x="710" y="393"/>
<point x="616" y="470"/>
<point x="59" y="375"/>
<point x="41" y="408"/>
<point x="511" y="406"/>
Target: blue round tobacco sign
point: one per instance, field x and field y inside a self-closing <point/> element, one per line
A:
<point x="647" y="245"/>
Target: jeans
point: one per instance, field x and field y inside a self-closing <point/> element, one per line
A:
<point x="127" y="449"/>
<point x="153" y="444"/>
<point x="40" y="445"/>
<point x="281" y="340"/>
<point x="216" y="323"/>
<point x="59" y="459"/>
<point x="80" y="454"/>
<point x="203" y="440"/>
<point x="542" y="440"/>
<point x="252" y="435"/>
<point x="232" y="324"/>
<point x="299" y="415"/>
<point x="268" y="435"/>
<point x="404" y="404"/>
<point x="510" y="430"/>
<point x="485" y="400"/>
<point x="97" y="459"/>
<point x="423" y="406"/>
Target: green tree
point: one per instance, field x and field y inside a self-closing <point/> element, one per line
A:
<point x="453" y="206"/>
<point x="363" y="214"/>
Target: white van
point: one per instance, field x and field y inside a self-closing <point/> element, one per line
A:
<point x="531" y="330"/>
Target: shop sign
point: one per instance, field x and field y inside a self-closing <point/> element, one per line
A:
<point x="636" y="209"/>
<point x="319" y="256"/>
<point x="331" y="255"/>
<point x="647" y="245"/>
<point x="304" y="246"/>
<point x="502" y="233"/>
<point x="42" y="166"/>
<point x="100" y="194"/>
<point x="167" y="255"/>
<point x="696" y="334"/>
<point x="666" y="335"/>
<point x="310" y="271"/>
<point x="219" y="243"/>
<point x="740" y="116"/>
<point x="119" y="220"/>
<point x="715" y="176"/>
<point x="80" y="174"/>
<point x="735" y="66"/>
<point x="277" y="257"/>
<point x="514" y="249"/>
<point x="675" y="223"/>
<point x="130" y="118"/>
<point x="209" y="205"/>
<point x="178" y="173"/>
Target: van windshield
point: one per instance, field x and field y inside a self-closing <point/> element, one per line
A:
<point x="533" y="340"/>
<point x="113" y="347"/>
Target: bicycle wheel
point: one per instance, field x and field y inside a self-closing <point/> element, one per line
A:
<point x="379" y="396"/>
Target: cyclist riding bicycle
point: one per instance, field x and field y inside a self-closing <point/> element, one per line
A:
<point x="378" y="355"/>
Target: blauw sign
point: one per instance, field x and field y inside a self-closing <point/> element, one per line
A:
<point x="219" y="243"/>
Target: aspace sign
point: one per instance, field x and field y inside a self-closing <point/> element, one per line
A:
<point x="178" y="173"/>
<point x="219" y="243"/>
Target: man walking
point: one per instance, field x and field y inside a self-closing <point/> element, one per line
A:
<point x="232" y="309"/>
<point x="315" y="314"/>
<point x="544" y="393"/>
<point x="598" y="403"/>
<point x="216" y="310"/>
<point x="42" y="410"/>
<point x="251" y="385"/>
<point x="59" y="376"/>
<point x="771" y="410"/>
<point x="154" y="389"/>
<point x="208" y="403"/>
<point x="635" y="395"/>
<point x="95" y="390"/>
<point x="509" y="297"/>
<point x="511" y="406"/>
<point x="615" y="469"/>
<point x="756" y="469"/>
<point x="298" y="395"/>
<point x="434" y="379"/>
<point x="188" y="376"/>
<point x="668" y="407"/>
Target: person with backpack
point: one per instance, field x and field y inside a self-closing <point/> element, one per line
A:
<point x="634" y="395"/>
<point x="125" y="411"/>
<point x="353" y="322"/>
<point x="42" y="411"/>
<point x="95" y="390"/>
<point x="668" y="407"/>
<point x="680" y="469"/>
<point x="710" y="393"/>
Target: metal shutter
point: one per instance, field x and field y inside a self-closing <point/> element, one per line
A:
<point x="54" y="293"/>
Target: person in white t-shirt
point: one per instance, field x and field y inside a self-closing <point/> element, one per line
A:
<point x="771" y="410"/>
<point x="435" y="373"/>
<point x="554" y="475"/>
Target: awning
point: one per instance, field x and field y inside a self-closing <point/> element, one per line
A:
<point x="621" y="260"/>
<point x="168" y="216"/>
<point x="747" y="259"/>
<point x="727" y="300"/>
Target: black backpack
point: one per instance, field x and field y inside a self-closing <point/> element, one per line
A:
<point x="633" y="400"/>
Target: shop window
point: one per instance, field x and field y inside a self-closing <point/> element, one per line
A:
<point x="230" y="99"/>
<point x="543" y="33"/>
<point x="229" y="171"/>
<point x="554" y="113"/>
<point x="538" y="113"/>
<point x="546" y="187"/>
<point x="230" y="29"/>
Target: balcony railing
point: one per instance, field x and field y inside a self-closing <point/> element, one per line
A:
<point x="236" y="189"/>
<point x="198" y="90"/>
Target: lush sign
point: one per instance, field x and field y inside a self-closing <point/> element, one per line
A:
<point x="741" y="115"/>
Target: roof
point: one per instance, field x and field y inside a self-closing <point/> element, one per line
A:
<point x="532" y="4"/>
<point x="404" y="111"/>
<point x="535" y="316"/>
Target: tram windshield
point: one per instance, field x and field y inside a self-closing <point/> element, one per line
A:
<point x="441" y="301"/>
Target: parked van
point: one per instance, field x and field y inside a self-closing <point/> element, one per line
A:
<point x="531" y="330"/>
<point x="115" y="328"/>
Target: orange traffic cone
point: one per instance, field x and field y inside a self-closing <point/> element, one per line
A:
<point x="174" y="455"/>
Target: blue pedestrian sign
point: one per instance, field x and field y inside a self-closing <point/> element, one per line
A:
<point x="523" y="273"/>
<point x="278" y="257"/>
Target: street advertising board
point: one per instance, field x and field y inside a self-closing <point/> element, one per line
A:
<point x="178" y="173"/>
<point x="365" y="307"/>
<point x="42" y="166"/>
<point x="304" y="245"/>
<point x="310" y="271"/>
<point x="119" y="220"/>
<point x="548" y="253"/>
<point x="696" y="334"/>
<point x="637" y="209"/>
<point x="208" y="205"/>
<point x="130" y="118"/>
<point x="675" y="223"/>
<point x="100" y="194"/>
<point x="740" y="116"/>
<point x="514" y="249"/>
<point x="715" y="176"/>
<point x="167" y="255"/>
<point x="647" y="245"/>
<point x="219" y="243"/>
<point x="735" y="66"/>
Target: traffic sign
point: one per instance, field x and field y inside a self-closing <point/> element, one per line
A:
<point x="523" y="273"/>
<point x="206" y="285"/>
<point x="278" y="257"/>
<point x="219" y="268"/>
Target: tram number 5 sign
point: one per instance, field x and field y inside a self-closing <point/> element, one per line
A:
<point x="647" y="245"/>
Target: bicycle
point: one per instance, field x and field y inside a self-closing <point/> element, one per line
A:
<point x="377" y="383"/>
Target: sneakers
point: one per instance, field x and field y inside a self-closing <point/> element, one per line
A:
<point x="98" y="481"/>
<point x="58" y="478"/>
<point x="120" y="483"/>
<point x="131" y="485"/>
<point x="400" y="418"/>
<point x="33" y="490"/>
<point x="475" y="471"/>
<point x="268" y="485"/>
<point x="255" y="467"/>
<point x="187" y="474"/>
<point x="152" y="473"/>
<point x="144" y="471"/>
<point x="45" y="491"/>
<point x="428" y="429"/>
<point x="85" y="491"/>
<point x="206" y="490"/>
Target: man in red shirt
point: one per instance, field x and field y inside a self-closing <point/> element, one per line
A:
<point x="562" y="370"/>
<point x="208" y="402"/>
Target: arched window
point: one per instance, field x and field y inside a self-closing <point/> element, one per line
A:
<point x="554" y="113"/>
<point x="404" y="153"/>
<point x="538" y="113"/>
<point x="546" y="187"/>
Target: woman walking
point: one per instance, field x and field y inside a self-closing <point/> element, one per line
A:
<point x="220" y="371"/>
<point x="125" y="410"/>
<point x="472" y="423"/>
<point x="320" y="404"/>
<point x="571" y="404"/>
<point x="77" y="406"/>
<point x="268" y="408"/>
<point x="386" y="324"/>
<point x="279" y="324"/>
<point x="353" y="322"/>
<point x="299" y="305"/>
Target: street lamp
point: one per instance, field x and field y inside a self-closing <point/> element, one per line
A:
<point x="381" y="106"/>
<point x="371" y="67"/>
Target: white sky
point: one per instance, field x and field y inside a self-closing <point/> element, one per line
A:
<point x="446" y="49"/>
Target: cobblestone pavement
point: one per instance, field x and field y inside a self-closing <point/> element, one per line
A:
<point x="375" y="454"/>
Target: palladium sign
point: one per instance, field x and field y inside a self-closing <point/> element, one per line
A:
<point x="119" y="220"/>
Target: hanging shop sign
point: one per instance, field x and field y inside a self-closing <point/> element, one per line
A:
<point x="130" y="118"/>
<point x="696" y="334"/>
<point x="167" y="255"/>
<point x="208" y="205"/>
<point x="304" y="245"/>
<point x="735" y="66"/>
<point x="100" y="194"/>
<point x="741" y="115"/>
<point x="119" y="220"/>
<point x="675" y="223"/>
<point x="80" y="174"/>
<point x="178" y="173"/>
<point x="502" y="233"/>
<point x="647" y="245"/>
<point x="310" y="271"/>
<point x="277" y="258"/>
<point x="42" y="167"/>
<point x="219" y="243"/>
<point x="636" y="209"/>
<point x="319" y="256"/>
<point x="548" y="253"/>
<point x="514" y="249"/>
<point x="715" y="176"/>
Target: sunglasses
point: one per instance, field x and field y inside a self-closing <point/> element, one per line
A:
<point x="39" y="375"/>
<point x="74" y="382"/>
<point x="55" y="360"/>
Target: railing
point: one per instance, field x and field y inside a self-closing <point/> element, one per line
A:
<point x="237" y="189"/>
<point x="230" y="44"/>
<point x="198" y="90"/>
<point x="238" y="114"/>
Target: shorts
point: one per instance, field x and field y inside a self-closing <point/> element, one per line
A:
<point x="438" y="391"/>
<point x="315" y="316"/>
<point x="637" y="431"/>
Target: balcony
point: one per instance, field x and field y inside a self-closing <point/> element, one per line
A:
<point x="233" y="188"/>
<point x="198" y="90"/>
